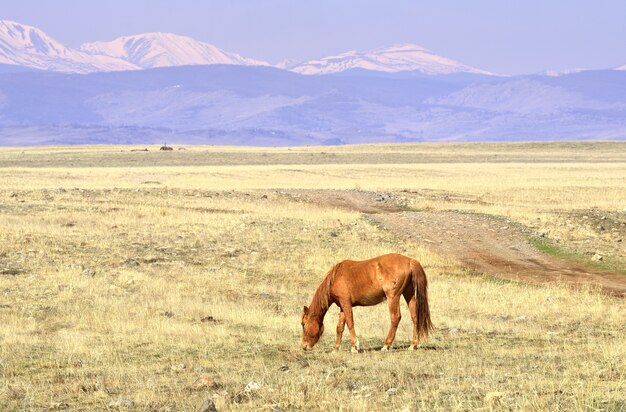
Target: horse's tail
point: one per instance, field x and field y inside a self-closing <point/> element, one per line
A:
<point x="424" y="324"/>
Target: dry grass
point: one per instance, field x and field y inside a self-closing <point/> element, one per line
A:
<point x="109" y="276"/>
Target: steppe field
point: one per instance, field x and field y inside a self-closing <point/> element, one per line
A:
<point x="154" y="280"/>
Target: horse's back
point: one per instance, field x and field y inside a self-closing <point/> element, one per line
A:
<point x="393" y="259"/>
<point x="388" y="260"/>
<point x="365" y="282"/>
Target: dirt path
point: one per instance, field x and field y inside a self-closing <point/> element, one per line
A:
<point x="482" y="243"/>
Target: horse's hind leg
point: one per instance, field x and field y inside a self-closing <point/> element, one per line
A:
<point x="409" y="296"/>
<point x="340" y="326"/>
<point x="394" y="314"/>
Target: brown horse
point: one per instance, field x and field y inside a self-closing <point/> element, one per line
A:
<point x="365" y="283"/>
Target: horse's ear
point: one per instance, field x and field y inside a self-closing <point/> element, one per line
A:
<point x="305" y="310"/>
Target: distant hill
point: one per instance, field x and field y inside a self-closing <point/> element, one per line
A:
<point x="234" y="104"/>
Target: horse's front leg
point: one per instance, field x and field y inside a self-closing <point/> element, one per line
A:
<point x="346" y="308"/>
<point x="340" y="326"/>
<point x="394" y="314"/>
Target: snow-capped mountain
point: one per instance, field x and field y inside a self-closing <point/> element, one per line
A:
<point x="28" y="46"/>
<point x="398" y="58"/>
<point x="621" y="67"/>
<point x="25" y="45"/>
<point x="152" y="50"/>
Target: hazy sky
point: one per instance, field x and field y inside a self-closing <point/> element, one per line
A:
<point x="505" y="36"/>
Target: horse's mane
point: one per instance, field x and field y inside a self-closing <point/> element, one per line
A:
<point x="321" y="299"/>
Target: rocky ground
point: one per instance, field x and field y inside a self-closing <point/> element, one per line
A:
<point x="487" y="244"/>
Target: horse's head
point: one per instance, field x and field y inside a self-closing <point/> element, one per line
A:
<point x="312" y="329"/>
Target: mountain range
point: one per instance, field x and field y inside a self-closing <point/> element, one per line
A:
<point x="28" y="46"/>
<point x="158" y="87"/>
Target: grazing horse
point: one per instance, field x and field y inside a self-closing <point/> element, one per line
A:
<point x="365" y="283"/>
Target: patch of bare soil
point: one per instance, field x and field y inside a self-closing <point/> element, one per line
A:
<point x="482" y="243"/>
<point x="358" y="200"/>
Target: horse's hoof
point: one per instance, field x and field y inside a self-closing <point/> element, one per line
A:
<point x="412" y="347"/>
<point x="384" y="349"/>
<point x="354" y="350"/>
